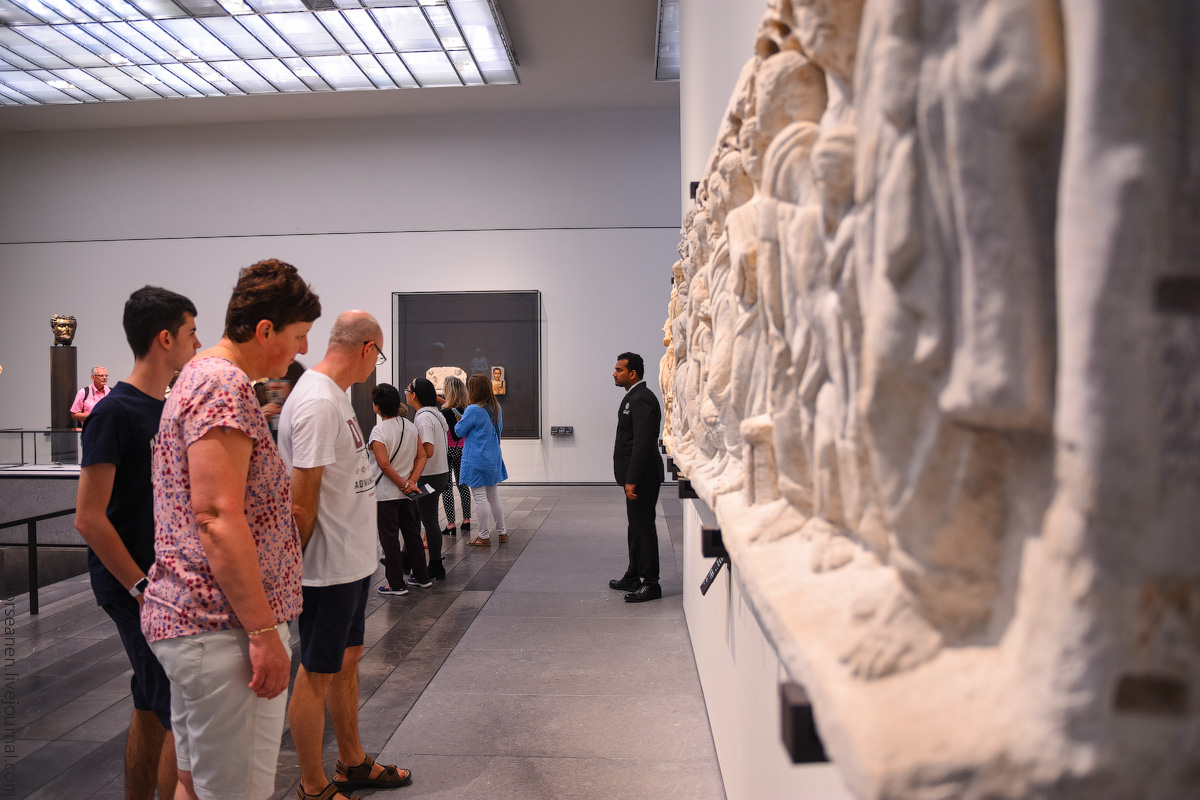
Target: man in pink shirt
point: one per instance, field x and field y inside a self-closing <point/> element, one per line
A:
<point x="88" y="396"/>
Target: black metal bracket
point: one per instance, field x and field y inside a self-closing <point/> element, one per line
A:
<point x="800" y="737"/>
<point x="686" y="492"/>
<point x="711" y="543"/>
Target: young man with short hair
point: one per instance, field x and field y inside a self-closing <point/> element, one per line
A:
<point x="114" y="512"/>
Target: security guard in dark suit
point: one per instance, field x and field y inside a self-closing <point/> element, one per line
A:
<point x="638" y="467"/>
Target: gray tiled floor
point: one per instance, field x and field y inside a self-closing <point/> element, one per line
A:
<point x="521" y="676"/>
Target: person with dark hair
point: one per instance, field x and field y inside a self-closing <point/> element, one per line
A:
<point x="226" y="576"/>
<point x="114" y="512"/>
<point x="432" y="427"/>
<point x="452" y="410"/>
<point x="270" y="290"/>
<point x="333" y="499"/>
<point x="638" y="467"/>
<point x="399" y="461"/>
<point x="483" y="464"/>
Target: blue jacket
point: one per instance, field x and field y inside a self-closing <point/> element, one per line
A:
<point x="482" y="464"/>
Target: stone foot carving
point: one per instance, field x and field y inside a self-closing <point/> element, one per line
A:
<point x="895" y="637"/>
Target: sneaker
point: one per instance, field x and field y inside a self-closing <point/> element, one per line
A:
<point x="385" y="589"/>
<point x="415" y="582"/>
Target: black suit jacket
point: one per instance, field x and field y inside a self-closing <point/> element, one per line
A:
<point x="635" y="455"/>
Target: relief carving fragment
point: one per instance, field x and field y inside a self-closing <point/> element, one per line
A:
<point x="932" y="362"/>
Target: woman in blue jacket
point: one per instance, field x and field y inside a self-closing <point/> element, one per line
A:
<point x="482" y="463"/>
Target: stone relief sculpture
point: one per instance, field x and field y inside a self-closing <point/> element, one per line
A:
<point x="933" y="358"/>
<point x="64" y="329"/>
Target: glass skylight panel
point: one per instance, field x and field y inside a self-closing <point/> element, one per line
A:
<point x="230" y="31"/>
<point x="196" y="38"/>
<point x="279" y="75"/>
<point x="158" y="9"/>
<point x="153" y="81"/>
<point x="144" y="45"/>
<point x="86" y="82"/>
<point x="10" y="60"/>
<point x="374" y="71"/>
<point x="67" y="10"/>
<point x="215" y="79"/>
<point x="265" y="6"/>
<point x="341" y="72"/>
<point x="123" y="83"/>
<point x="55" y="42"/>
<point x="432" y="69"/>
<point x="203" y="8"/>
<point x="34" y="88"/>
<point x="307" y="74"/>
<point x="13" y="14"/>
<point x="304" y="33"/>
<point x="172" y="80"/>
<point x="29" y="50"/>
<point x="61" y="51"/>
<point x="244" y="76"/>
<point x="124" y="10"/>
<point x="406" y="29"/>
<point x="41" y="11"/>
<point x="66" y="87"/>
<point x="343" y="31"/>
<point x="397" y="71"/>
<point x="117" y="51"/>
<point x="189" y="76"/>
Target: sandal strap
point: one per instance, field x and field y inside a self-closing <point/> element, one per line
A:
<point x="328" y="793"/>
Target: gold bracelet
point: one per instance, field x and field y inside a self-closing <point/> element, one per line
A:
<point x="261" y="630"/>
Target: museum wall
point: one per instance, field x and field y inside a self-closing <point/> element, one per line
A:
<point x="711" y="54"/>
<point x="579" y="205"/>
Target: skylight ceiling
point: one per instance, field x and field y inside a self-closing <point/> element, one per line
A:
<point x="90" y="51"/>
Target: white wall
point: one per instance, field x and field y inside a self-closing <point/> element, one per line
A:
<point x="716" y="39"/>
<point x="741" y="673"/>
<point x="579" y="205"/>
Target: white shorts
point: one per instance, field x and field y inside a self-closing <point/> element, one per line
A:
<point x="225" y="735"/>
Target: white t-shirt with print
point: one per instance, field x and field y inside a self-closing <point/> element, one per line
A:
<point x="433" y="429"/>
<point x="393" y="433"/>
<point x="318" y="428"/>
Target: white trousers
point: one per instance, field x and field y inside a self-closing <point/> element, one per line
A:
<point x="486" y="500"/>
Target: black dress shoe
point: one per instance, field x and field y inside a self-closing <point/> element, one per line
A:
<point x="626" y="584"/>
<point x="647" y="591"/>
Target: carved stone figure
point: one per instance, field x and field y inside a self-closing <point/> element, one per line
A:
<point x="936" y="318"/>
<point x="64" y="329"/>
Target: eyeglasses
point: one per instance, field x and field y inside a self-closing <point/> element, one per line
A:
<point x="379" y="362"/>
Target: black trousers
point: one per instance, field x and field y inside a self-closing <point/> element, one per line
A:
<point x="400" y="517"/>
<point x="427" y="507"/>
<point x="643" y="537"/>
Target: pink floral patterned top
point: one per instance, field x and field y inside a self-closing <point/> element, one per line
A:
<point x="183" y="598"/>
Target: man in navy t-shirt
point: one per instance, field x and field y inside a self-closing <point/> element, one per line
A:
<point x="114" y="512"/>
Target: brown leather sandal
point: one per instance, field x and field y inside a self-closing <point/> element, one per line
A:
<point x="360" y="777"/>
<point x="328" y="793"/>
<point x="477" y="542"/>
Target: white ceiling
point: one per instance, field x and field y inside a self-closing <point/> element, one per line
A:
<point x="592" y="54"/>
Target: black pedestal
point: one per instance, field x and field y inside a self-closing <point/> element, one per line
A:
<point x="63" y="387"/>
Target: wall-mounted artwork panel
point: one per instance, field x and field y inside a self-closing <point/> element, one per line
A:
<point x="436" y="334"/>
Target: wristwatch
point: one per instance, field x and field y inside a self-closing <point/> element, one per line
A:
<point x="139" y="587"/>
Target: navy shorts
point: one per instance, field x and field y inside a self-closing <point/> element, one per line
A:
<point x="149" y="685"/>
<point x="333" y="618"/>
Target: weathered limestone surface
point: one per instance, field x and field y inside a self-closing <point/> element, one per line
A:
<point x="933" y="358"/>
